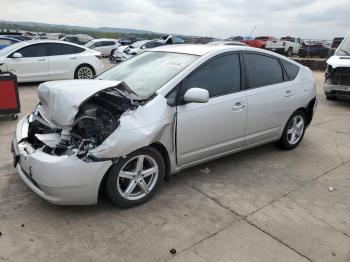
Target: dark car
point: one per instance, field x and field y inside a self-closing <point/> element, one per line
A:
<point x="314" y="50"/>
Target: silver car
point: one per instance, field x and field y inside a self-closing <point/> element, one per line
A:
<point x="156" y="114"/>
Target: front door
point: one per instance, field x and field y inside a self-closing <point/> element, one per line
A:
<point x="32" y="66"/>
<point x="218" y="126"/>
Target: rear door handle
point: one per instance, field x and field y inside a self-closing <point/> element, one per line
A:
<point x="74" y="57"/>
<point x="41" y="60"/>
<point x="239" y="106"/>
<point x="289" y="93"/>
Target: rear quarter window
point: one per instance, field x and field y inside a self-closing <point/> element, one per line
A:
<point x="291" y="69"/>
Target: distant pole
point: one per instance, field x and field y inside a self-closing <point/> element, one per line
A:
<point x="251" y="32"/>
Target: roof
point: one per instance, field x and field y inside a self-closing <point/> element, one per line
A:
<point x="198" y="49"/>
<point x="104" y="39"/>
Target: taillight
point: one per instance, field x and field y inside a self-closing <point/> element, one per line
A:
<point x="99" y="56"/>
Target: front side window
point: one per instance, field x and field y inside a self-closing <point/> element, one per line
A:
<point x="149" y="71"/>
<point x="63" y="49"/>
<point x="220" y="76"/>
<point x="37" y="50"/>
<point x="263" y="70"/>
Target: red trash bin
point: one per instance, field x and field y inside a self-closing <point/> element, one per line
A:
<point x="9" y="98"/>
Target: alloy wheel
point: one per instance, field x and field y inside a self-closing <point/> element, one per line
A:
<point x="137" y="177"/>
<point x="85" y="73"/>
<point x="295" y="129"/>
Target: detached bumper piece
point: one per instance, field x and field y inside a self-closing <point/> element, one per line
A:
<point x="9" y="98"/>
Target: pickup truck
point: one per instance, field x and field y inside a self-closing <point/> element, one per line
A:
<point x="286" y="45"/>
<point x="259" y="42"/>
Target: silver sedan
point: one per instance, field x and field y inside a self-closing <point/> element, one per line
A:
<point x="151" y="116"/>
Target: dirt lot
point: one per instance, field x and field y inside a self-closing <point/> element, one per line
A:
<point x="261" y="205"/>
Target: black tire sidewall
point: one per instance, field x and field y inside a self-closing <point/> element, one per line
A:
<point x="113" y="174"/>
<point x="283" y="142"/>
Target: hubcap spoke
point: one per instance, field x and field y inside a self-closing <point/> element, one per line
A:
<point x="130" y="188"/>
<point x="290" y="131"/>
<point x="139" y="164"/>
<point x="295" y="130"/>
<point x="148" y="172"/>
<point x="126" y="174"/>
<point x="143" y="186"/>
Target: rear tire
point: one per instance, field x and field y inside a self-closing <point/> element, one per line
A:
<point x="294" y="131"/>
<point x="84" y="72"/>
<point x="135" y="179"/>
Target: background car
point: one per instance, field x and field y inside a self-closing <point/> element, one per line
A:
<point x="42" y="60"/>
<point x="260" y="41"/>
<point x="314" y="50"/>
<point x="6" y="41"/>
<point x="125" y="52"/>
<point x="105" y="46"/>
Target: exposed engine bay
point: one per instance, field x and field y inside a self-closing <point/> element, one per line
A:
<point x="96" y="119"/>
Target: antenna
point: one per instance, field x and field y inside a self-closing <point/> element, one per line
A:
<point x="251" y="32"/>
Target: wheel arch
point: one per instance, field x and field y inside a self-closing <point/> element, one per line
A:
<point x="164" y="152"/>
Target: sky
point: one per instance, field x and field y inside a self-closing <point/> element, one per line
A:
<point x="309" y="19"/>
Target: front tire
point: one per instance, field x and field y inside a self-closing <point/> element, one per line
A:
<point x="84" y="72"/>
<point x="294" y="131"/>
<point x="135" y="179"/>
<point x="289" y="52"/>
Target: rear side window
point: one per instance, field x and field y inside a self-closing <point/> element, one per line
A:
<point x="263" y="70"/>
<point x="63" y="49"/>
<point x="108" y="43"/>
<point x="220" y="76"/>
<point x="149" y="45"/>
<point x="37" y="50"/>
<point x="292" y="70"/>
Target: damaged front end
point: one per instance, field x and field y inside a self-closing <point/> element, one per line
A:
<point x="337" y="81"/>
<point x="95" y="120"/>
<point x="51" y="146"/>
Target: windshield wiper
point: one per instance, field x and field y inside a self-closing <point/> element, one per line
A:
<point x="346" y="52"/>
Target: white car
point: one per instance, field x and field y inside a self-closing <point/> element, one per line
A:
<point x="123" y="53"/>
<point x="286" y="45"/>
<point x="164" y="110"/>
<point x="44" y="60"/>
<point x="105" y="46"/>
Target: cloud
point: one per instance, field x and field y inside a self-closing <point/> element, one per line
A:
<point x="220" y="18"/>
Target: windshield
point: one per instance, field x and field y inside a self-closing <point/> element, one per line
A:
<point x="138" y="44"/>
<point x="90" y="43"/>
<point x="9" y="49"/>
<point x="149" y="71"/>
<point x="344" y="48"/>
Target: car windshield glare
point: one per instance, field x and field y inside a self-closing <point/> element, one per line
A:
<point x="149" y="71"/>
<point x="344" y="48"/>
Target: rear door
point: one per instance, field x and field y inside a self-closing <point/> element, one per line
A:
<point x="63" y="60"/>
<point x="270" y="95"/>
<point x="205" y="130"/>
<point x="33" y="66"/>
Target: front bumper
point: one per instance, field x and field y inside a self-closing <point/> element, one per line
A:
<point x="61" y="180"/>
<point x="340" y="91"/>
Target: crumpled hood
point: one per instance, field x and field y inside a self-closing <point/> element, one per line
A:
<point x="61" y="100"/>
<point x="339" y="61"/>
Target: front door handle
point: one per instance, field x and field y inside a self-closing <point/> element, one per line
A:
<point x="239" y="106"/>
<point x="289" y="93"/>
<point x="41" y="60"/>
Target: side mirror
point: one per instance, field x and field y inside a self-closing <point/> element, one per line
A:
<point x="17" y="55"/>
<point x="196" y="95"/>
